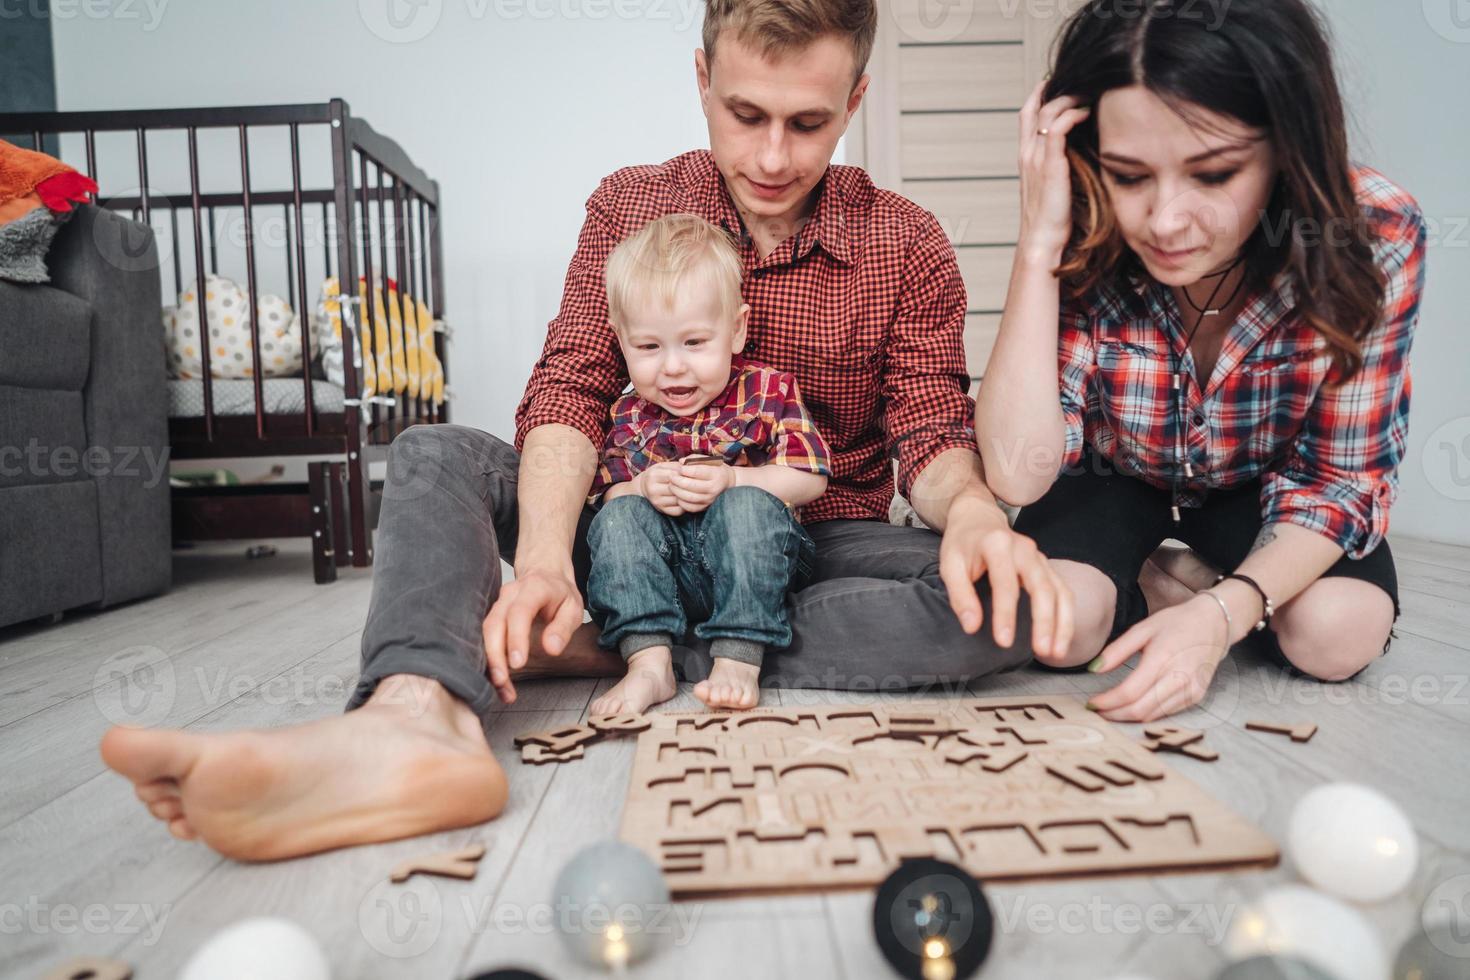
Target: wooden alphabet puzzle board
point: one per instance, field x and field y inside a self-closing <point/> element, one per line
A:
<point x="837" y="795"/>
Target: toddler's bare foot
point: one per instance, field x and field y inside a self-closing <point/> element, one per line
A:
<point x="731" y="685"/>
<point x="649" y="681"/>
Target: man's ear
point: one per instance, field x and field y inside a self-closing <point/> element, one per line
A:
<point x="856" y="98"/>
<point x="701" y="78"/>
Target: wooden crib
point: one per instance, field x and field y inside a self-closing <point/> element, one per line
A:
<point x="377" y="218"/>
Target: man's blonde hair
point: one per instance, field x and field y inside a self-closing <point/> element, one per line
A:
<point x="778" y="27"/>
<point x="652" y="264"/>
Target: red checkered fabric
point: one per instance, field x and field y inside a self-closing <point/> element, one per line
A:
<point x="1327" y="452"/>
<point x="757" y="420"/>
<point x="864" y="305"/>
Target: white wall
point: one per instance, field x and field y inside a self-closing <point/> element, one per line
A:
<point x="517" y="115"/>
<point x="1405" y="66"/>
<point x="518" y="107"/>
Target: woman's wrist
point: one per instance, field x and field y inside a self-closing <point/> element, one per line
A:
<point x="1041" y="252"/>
<point x="1242" y="604"/>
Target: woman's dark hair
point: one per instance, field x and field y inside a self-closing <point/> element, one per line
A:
<point x="1267" y="64"/>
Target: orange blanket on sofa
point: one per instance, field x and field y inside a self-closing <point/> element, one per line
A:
<point x="29" y="179"/>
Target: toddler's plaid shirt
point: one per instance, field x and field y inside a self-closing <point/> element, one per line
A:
<point x="758" y="419"/>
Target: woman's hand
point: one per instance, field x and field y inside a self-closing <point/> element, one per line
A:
<point x="1046" y="179"/>
<point x="696" y="486"/>
<point x="657" y="485"/>
<point x="1181" y="647"/>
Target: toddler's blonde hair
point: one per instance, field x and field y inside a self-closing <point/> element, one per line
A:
<point x="653" y="263"/>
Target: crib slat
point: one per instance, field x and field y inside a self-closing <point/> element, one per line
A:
<point x="369" y="315"/>
<point x="393" y="410"/>
<point x="253" y="297"/>
<point x="406" y="290"/>
<point x="37" y="141"/>
<point x="213" y="249"/>
<point x="199" y="281"/>
<point x="173" y="218"/>
<point x="424" y="289"/>
<point x="91" y="154"/>
<point x="436" y="272"/>
<point x="304" y="314"/>
<point x="143" y="176"/>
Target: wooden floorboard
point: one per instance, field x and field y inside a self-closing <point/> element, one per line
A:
<point x="240" y="644"/>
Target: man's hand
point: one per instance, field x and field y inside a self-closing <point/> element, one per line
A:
<point x="536" y="594"/>
<point x="1181" y="645"/>
<point x="657" y="485"/>
<point x="977" y="542"/>
<point x="696" y="485"/>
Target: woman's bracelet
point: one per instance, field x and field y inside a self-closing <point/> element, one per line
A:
<point x="1225" y="610"/>
<point x="1266" y="606"/>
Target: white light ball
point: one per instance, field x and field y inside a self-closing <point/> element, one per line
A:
<point x="259" y="949"/>
<point x="611" y="904"/>
<point x="1353" y="842"/>
<point x="1298" y="921"/>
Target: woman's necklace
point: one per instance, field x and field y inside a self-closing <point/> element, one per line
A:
<point x="1180" y="449"/>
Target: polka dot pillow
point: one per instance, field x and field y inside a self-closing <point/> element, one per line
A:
<point x="227" y="307"/>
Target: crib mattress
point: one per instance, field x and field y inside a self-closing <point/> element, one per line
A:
<point x="282" y="396"/>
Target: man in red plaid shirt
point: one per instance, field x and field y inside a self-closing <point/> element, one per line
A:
<point x="852" y="289"/>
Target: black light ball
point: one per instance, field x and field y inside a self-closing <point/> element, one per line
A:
<point x="510" y="973"/>
<point x="932" y="921"/>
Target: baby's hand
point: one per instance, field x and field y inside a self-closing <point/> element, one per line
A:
<point x="696" y="485"/>
<point x="656" y="484"/>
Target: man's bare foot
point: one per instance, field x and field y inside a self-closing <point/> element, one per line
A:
<point x="581" y="658"/>
<point x="413" y="760"/>
<point x="650" y="681"/>
<point x="731" y="685"/>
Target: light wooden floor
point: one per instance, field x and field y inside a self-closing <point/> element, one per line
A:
<point x="85" y="869"/>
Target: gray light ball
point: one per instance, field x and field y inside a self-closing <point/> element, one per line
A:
<point x="1269" y="967"/>
<point x="608" y="883"/>
<point x="1426" y="956"/>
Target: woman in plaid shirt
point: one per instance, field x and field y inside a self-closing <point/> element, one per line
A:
<point x="1232" y="305"/>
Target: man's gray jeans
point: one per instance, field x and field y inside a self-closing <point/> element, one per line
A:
<point x="874" y="617"/>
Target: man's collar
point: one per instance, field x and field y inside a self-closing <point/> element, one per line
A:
<point x="827" y="223"/>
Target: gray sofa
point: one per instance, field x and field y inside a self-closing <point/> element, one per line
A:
<point x="84" y="495"/>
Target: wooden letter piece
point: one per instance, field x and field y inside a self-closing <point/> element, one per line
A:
<point x="537" y="755"/>
<point x="560" y="740"/>
<point x="1199" y="752"/>
<point x="452" y="864"/>
<point x="1185" y="741"/>
<point x="90" y="968"/>
<point x="1169" y="737"/>
<point x="624" y="724"/>
<point x="1298" y="733"/>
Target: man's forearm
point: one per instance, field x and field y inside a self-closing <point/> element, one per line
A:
<point x="557" y="467"/>
<point x="953" y="478"/>
<point x="793" y="486"/>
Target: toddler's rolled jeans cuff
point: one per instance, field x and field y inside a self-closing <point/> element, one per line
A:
<point x="638" y="642"/>
<point x="738" y="650"/>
